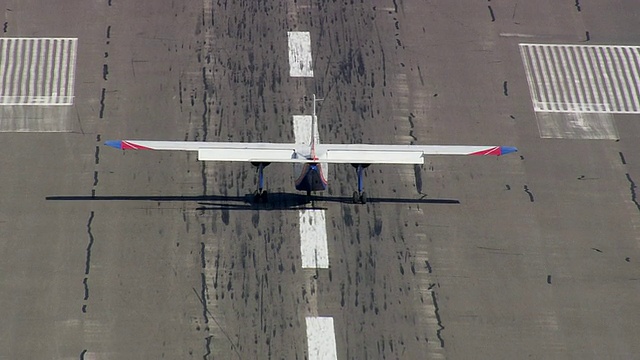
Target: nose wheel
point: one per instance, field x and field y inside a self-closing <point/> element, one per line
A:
<point x="360" y="196"/>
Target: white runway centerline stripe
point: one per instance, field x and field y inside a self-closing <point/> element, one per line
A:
<point x="300" y="54"/>
<point x="321" y="338"/>
<point x="313" y="239"/>
<point x="23" y="78"/>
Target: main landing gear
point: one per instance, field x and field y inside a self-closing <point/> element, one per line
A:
<point x="260" y="195"/>
<point x="360" y="196"/>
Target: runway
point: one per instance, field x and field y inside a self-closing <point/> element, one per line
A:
<point x="107" y="254"/>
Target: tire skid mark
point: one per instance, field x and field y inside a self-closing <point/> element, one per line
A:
<point x="493" y="17"/>
<point x="204" y="291"/>
<point x="528" y="191"/>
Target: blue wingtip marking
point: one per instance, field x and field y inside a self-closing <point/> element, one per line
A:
<point x="114" y="143"/>
<point x="507" y="150"/>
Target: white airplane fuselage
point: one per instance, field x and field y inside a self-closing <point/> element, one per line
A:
<point x="309" y="176"/>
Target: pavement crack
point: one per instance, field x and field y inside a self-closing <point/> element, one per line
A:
<point x="102" y="102"/>
<point x="632" y="188"/>
<point x="87" y="265"/>
<point x="86" y="288"/>
<point x="91" y="240"/>
<point x="526" y="189"/>
<point x="438" y="319"/>
<point x="233" y="346"/>
<point x="207" y="347"/>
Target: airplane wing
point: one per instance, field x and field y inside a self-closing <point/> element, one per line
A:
<point x="220" y="151"/>
<point x="326" y="153"/>
<point x="400" y="154"/>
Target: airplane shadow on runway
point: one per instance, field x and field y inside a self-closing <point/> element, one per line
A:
<point x="277" y="200"/>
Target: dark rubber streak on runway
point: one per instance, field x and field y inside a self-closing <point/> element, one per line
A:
<point x="97" y="155"/>
<point x="504" y="89"/>
<point x="548" y="279"/>
<point x="105" y="71"/>
<point x="428" y="266"/>
<point x="203" y="282"/>
<point x="578" y="5"/>
<point x="493" y="17"/>
<point x="411" y="127"/>
<point x="624" y="161"/>
<point x="420" y="74"/>
<point x="417" y="170"/>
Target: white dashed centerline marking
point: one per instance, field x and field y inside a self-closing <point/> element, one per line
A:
<point x="313" y="239"/>
<point x="300" y="54"/>
<point x="321" y="338"/>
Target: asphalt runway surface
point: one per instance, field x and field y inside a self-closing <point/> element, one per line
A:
<point x="112" y="255"/>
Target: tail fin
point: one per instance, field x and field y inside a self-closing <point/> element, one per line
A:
<point x="313" y="129"/>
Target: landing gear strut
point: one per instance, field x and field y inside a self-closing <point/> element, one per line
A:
<point x="360" y="196"/>
<point x="260" y="195"/>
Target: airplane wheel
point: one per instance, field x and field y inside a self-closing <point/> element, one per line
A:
<point x="260" y="196"/>
<point x="363" y="198"/>
<point x="356" y="197"/>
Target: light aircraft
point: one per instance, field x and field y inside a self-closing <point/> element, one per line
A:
<point x="311" y="160"/>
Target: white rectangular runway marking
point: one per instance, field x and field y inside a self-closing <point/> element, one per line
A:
<point x="321" y="338"/>
<point x="22" y="71"/>
<point x="313" y="239"/>
<point x="300" y="54"/>
<point x="583" y="78"/>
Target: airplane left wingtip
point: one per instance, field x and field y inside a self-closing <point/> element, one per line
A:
<point x="507" y="150"/>
<point x="114" y="144"/>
